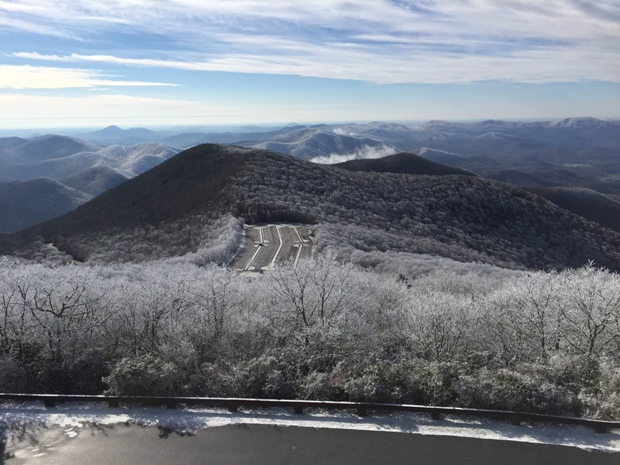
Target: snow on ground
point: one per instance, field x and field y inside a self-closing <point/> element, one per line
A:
<point x="32" y="417"/>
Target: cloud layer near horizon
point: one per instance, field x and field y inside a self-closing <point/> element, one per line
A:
<point x="374" y="41"/>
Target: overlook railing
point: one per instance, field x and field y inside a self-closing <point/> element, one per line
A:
<point x="51" y="401"/>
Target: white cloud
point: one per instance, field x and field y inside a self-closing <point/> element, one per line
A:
<point x="438" y="17"/>
<point x="540" y="65"/>
<point x="366" y="152"/>
<point x="40" y="77"/>
<point x="378" y="41"/>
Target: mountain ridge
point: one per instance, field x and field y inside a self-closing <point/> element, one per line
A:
<point x="407" y="163"/>
<point x="462" y="217"/>
<point x="95" y="180"/>
<point x="46" y="147"/>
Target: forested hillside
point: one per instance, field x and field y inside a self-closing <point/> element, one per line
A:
<point x="461" y="217"/>
<point x="168" y="209"/>
<point x="584" y="202"/>
<point x="407" y="163"/>
<point x="23" y="203"/>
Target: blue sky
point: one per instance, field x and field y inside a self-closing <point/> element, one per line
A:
<point x="89" y="63"/>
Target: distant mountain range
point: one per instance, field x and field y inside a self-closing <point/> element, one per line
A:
<point x="464" y="138"/>
<point x="113" y="135"/>
<point x="582" y="153"/>
<point x="58" y="157"/>
<point x="584" y="148"/>
<point x="79" y="168"/>
<point x="325" y="146"/>
<point x="168" y="210"/>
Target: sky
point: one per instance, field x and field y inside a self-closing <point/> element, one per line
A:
<point x="86" y="63"/>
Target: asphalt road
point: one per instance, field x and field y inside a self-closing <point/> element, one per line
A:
<point x="267" y="245"/>
<point x="123" y="444"/>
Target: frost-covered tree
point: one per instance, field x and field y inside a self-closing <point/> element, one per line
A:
<point x="324" y="329"/>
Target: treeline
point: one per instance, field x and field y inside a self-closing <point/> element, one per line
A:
<point x="537" y="342"/>
<point x="199" y="239"/>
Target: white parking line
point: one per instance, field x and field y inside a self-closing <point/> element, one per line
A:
<point x="299" y="249"/>
<point x="260" y="238"/>
<point x="271" y="265"/>
<point x="258" y="249"/>
<point x="298" y="235"/>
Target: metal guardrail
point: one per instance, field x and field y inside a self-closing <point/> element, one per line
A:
<point x="298" y="406"/>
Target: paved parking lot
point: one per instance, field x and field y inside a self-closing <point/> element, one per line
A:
<point x="267" y="245"/>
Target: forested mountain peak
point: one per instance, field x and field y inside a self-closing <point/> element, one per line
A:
<point x="192" y="180"/>
<point x="171" y="209"/>
<point x="408" y="163"/>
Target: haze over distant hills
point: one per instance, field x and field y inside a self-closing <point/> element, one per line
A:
<point x="113" y="135"/>
<point x="57" y="157"/>
<point x="585" y="147"/>
<point x="79" y="168"/>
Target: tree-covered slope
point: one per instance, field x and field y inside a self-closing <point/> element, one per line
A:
<point x="25" y="203"/>
<point x="8" y="142"/>
<point x="168" y="210"/>
<point x="408" y="163"/>
<point x="95" y="180"/>
<point x="584" y="202"/>
<point x="463" y="217"/>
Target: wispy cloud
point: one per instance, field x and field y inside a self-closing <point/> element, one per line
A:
<point x="41" y="77"/>
<point x="378" y="41"/>
<point x="341" y="61"/>
<point x="367" y="152"/>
